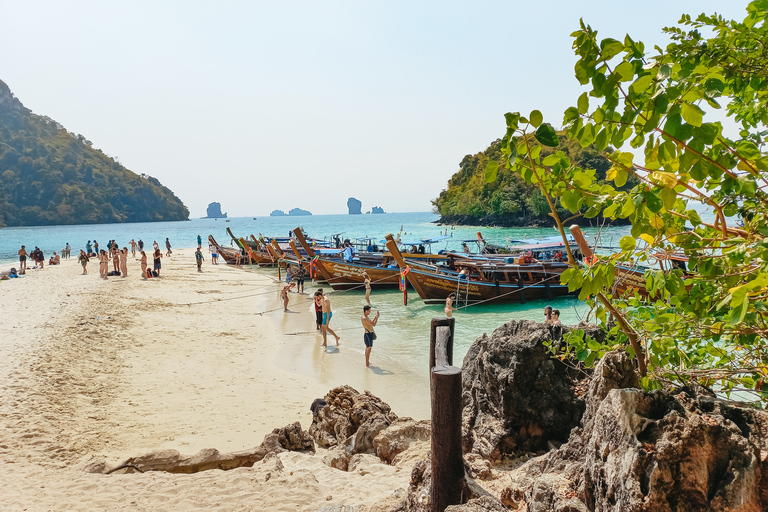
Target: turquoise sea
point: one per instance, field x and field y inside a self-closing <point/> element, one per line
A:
<point x="403" y="331"/>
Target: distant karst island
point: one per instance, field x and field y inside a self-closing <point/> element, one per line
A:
<point x="293" y="213"/>
<point x="355" y="206"/>
<point x="214" y="212"/>
<point x="51" y="176"/>
<point x="378" y="210"/>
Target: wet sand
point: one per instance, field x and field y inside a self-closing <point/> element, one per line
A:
<point x="123" y="366"/>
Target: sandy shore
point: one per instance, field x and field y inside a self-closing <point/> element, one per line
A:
<point x="123" y="366"/>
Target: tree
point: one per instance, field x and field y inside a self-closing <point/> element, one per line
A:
<point x="708" y="322"/>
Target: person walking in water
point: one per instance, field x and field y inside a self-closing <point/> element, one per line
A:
<point x="449" y="309"/>
<point x="124" y="261"/>
<point x="23" y="258"/>
<point x="327" y="315"/>
<point x="369" y="334"/>
<point x="284" y="295"/>
<point x="319" y="309"/>
<point x="367" y="288"/>
<point x="168" y="246"/>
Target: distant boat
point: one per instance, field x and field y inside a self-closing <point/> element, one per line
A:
<point x="254" y="218"/>
<point x="227" y="220"/>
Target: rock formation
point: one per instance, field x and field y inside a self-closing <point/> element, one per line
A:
<point x="354" y="206"/>
<point x="214" y="212"/>
<point x="516" y="397"/>
<point x="377" y="209"/>
<point x="299" y="211"/>
<point x="277" y="213"/>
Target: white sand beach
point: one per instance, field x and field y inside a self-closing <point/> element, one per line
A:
<point x="119" y="367"/>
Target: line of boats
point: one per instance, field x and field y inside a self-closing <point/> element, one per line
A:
<point x="528" y="270"/>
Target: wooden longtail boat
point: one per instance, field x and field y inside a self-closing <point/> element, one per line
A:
<point x="254" y="248"/>
<point x="475" y="280"/>
<point x="228" y="254"/>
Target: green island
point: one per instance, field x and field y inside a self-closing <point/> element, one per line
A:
<point x="509" y="201"/>
<point x="51" y="176"/>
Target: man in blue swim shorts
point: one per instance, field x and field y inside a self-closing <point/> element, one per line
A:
<point x="369" y="335"/>
<point x="327" y="315"/>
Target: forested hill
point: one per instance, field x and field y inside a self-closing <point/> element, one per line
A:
<point x="508" y="201"/>
<point x="51" y="176"/>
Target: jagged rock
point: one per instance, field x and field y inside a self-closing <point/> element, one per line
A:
<point x="351" y="420"/>
<point x="673" y="450"/>
<point x="289" y="438"/>
<point x="516" y="397"/>
<point x="481" y="504"/>
<point x="337" y="458"/>
<point x="358" y="462"/>
<point x="478" y="467"/>
<point x="398" y="436"/>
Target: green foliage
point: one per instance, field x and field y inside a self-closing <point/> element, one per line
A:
<point x="708" y="322"/>
<point x="50" y="176"/>
<point x="485" y="190"/>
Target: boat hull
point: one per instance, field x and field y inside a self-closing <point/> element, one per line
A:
<point x="345" y="276"/>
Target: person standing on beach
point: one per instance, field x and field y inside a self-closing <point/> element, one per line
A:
<point x="141" y="244"/>
<point x="124" y="261"/>
<point x="143" y="265"/>
<point x="133" y="248"/>
<point x="168" y="246"/>
<point x="96" y="247"/>
<point x="156" y="263"/>
<point x="23" y="258"/>
<point x="199" y="259"/>
<point x="319" y="309"/>
<point x="115" y="258"/>
<point x="88" y="248"/>
<point x="103" y="264"/>
<point x="367" y="288"/>
<point x="299" y="277"/>
<point x="327" y="315"/>
<point x="83" y="259"/>
<point x="284" y="295"/>
<point x="68" y="249"/>
<point x="369" y="335"/>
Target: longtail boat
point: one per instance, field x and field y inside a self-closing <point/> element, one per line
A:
<point x="478" y="280"/>
<point x="230" y="255"/>
<point x="253" y="249"/>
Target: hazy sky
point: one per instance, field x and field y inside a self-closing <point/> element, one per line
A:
<point x="276" y="105"/>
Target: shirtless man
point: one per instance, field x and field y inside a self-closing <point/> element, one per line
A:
<point x="133" y="248"/>
<point x="23" y="258"/>
<point x="369" y="335"/>
<point x="327" y="315"/>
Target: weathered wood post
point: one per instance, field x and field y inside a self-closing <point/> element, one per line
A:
<point x="445" y="384"/>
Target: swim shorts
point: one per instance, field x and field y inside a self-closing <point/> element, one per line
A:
<point x="319" y="317"/>
<point x="22" y="258"/>
<point x="368" y="339"/>
<point x="299" y="281"/>
<point x="327" y="317"/>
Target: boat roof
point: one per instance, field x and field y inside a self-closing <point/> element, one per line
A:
<point x="422" y="241"/>
<point x="550" y="240"/>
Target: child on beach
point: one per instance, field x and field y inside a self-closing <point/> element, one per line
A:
<point x="369" y="334"/>
<point x="284" y="295"/>
<point x="199" y="259"/>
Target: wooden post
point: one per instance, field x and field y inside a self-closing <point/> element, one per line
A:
<point x="445" y="387"/>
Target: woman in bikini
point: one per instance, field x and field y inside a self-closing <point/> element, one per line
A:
<point x="124" y="261"/>
<point x="284" y="295"/>
<point x="449" y="309"/>
<point x="103" y="263"/>
<point x="143" y="265"/>
<point x="367" y="288"/>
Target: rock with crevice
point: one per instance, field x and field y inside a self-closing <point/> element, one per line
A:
<point x="351" y="420"/>
<point x="516" y="397"/>
<point x="399" y="436"/>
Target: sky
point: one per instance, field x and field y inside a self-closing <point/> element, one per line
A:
<point x="279" y="105"/>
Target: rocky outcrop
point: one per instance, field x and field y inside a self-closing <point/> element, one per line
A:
<point x="516" y="397"/>
<point x="377" y="210"/>
<point x="673" y="450"/>
<point x="288" y="438"/>
<point x="354" y="206"/>
<point x="399" y="436"/>
<point x="214" y="212"/>
<point x="298" y="211"/>
<point x="277" y="213"/>
<point x="351" y="420"/>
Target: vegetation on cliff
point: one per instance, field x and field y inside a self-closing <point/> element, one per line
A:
<point x="508" y="200"/>
<point x="707" y="322"/>
<point x="51" y="176"/>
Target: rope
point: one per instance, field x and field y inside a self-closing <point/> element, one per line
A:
<point x="508" y="293"/>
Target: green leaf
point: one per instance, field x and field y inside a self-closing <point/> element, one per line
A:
<point x="535" y="118"/>
<point x="627" y="243"/>
<point x="692" y="114"/>
<point x="747" y="149"/>
<point x="641" y="85"/>
<point x="491" y="171"/>
<point x="653" y="202"/>
<point x="571" y="114"/>
<point x="587" y="135"/>
<point x="512" y="118"/>
<point x="570" y="200"/>
<point x="747" y="185"/>
<point x="609" y="48"/>
<point x="625" y="71"/>
<point x="547" y="135"/>
<point x="550" y="160"/>
<point x="583" y="103"/>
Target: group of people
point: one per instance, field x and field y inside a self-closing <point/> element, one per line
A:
<point x="552" y="316"/>
<point x="119" y="258"/>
